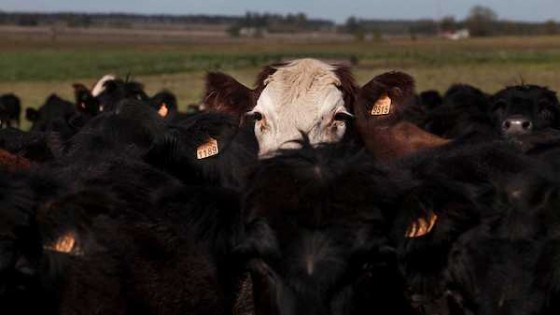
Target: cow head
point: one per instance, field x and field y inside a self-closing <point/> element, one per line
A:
<point x="521" y="110"/>
<point x="109" y="91"/>
<point x="315" y="234"/>
<point x="301" y="98"/>
<point x="465" y="110"/>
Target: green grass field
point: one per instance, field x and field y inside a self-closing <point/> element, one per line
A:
<point x="34" y="69"/>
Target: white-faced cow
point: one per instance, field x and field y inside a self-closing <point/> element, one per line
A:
<point x="304" y="97"/>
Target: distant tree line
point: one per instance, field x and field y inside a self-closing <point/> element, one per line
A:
<point x="481" y="21"/>
<point x="110" y="19"/>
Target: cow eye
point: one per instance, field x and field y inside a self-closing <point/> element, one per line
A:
<point x="343" y="116"/>
<point x="257" y="116"/>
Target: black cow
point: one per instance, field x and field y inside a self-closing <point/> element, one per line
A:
<point x="508" y="262"/>
<point x="117" y="90"/>
<point x="317" y="233"/>
<point x="522" y="109"/>
<point x="206" y="149"/>
<point x="430" y="100"/>
<point x="35" y="146"/>
<point x="130" y="129"/>
<point x="473" y="261"/>
<point x="10" y="110"/>
<point x="54" y="116"/>
<point x="70" y="251"/>
<point x="465" y="110"/>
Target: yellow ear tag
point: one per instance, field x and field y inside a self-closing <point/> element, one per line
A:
<point x="207" y="149"/>
<point x="64" y="244"/>
<point x="382" y="106"/>
<point x="163" y="111"/>
<point x="422" y="226"/>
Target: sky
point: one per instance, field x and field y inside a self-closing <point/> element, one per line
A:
<point x="338" y="10"/>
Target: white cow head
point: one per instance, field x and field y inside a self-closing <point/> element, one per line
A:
<point x="305" y="97"/>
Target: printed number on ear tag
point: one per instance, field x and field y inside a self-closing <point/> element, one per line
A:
<point x="208" y="149"/>
<point x="382" y="106"/>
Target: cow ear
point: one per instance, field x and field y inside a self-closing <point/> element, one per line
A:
<point x="434" y="205"/>
<point x="80" y="88"/>
<point x="32" y="114"/>
<point x="388" y="94"/>
<point x="225" y="94"/>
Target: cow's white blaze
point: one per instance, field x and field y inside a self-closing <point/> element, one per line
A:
<point x="300" y="97"/>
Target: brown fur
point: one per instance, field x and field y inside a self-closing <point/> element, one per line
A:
<point x="261" y="78"/>
<point x="348" y="86"/>
<point x="388" y="136"/>
<point x="226" y="95"/>
<point x="401" y="139"/>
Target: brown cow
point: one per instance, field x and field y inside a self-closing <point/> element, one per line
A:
<point x="380" y="113"/>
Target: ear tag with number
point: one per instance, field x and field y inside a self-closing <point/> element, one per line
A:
<point x="207" y="149"/>
<point x="382" y="106"/>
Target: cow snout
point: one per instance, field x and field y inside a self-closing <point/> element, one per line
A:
<point x="517" y="125"/>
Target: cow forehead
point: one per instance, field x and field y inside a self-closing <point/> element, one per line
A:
<point x="302" y="90"/>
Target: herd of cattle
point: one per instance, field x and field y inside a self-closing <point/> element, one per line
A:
<point x="306" y="194"/>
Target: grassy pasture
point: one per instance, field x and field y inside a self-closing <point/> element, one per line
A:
<point x="34" y="68"/>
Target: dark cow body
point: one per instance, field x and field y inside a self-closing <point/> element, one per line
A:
<point x="465" y="111"/>
<point x="499" y="259"/>
<point x="34" y="146"/>
<point x="177" y="152"/>
<point x="430" y="100"/>
<point x="121" y="261"/>
<point x="485" y="250"/>
<point x="315" y="234"/>
<point x="55" y="116"/>
<point x="10" y="110"/>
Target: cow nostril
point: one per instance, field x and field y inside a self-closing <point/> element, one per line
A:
<point x="506" y="124"/>
<point x="526" y="125"/>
